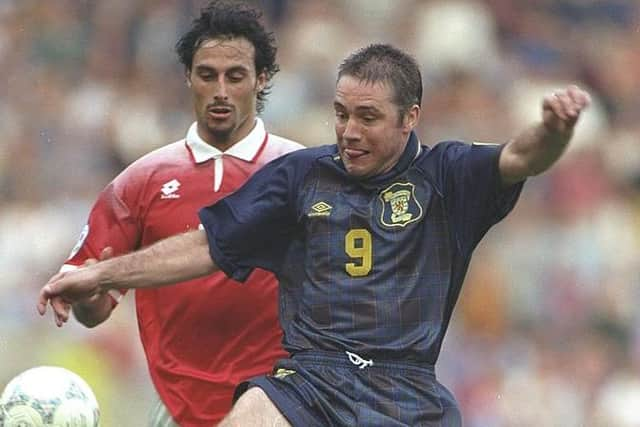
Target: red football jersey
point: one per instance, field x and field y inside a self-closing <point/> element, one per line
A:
<point x="201" y="337"/>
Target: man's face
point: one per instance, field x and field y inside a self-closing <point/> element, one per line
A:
<point x="370" y="135"/>
<point x="225" y="86"/>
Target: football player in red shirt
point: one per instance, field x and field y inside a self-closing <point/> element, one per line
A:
<point x="201" y="337"/>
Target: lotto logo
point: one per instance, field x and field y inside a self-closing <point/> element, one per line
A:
<point x="169" y="189"/>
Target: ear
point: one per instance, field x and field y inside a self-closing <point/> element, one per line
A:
<point x="188" y="77"/>
<point x="411" y="117"/>
<point x="261" y="81"/>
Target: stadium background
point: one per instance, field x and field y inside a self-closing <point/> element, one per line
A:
<point x="547" y="330"/>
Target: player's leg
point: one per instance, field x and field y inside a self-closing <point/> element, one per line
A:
<point x="160" y="416"/>
<point x="255" y="409"/>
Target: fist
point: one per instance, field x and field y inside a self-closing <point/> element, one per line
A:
<point x="561" y="109"/>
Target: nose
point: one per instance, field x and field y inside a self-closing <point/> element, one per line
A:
<point x="220" y="89"/>
<point x="351" y="130"/>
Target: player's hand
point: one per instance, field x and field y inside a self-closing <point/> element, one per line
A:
<point x="105" y="254"/>
<point x="561" y="109"/>
<point x="71" y="286"/>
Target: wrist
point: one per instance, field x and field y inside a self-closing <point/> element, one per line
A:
<point x="104" y="277"/>
<point x="555" y="135"/>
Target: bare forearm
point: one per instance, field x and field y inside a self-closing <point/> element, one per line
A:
<point x="536" y="149"/>
<point x="175" y="259"/>
<point x="532" y="153"/>
<point x="168" y="261"/>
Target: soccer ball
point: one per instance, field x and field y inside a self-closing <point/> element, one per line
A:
<point x="48" y="396"/>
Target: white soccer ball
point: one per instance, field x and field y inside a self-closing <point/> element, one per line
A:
<point x="48" y="396"/>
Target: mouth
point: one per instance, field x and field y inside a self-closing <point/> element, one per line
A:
<point x="219" y="112"/>
<point x="354" y="153"/>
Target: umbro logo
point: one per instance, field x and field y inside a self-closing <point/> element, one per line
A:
<point x="282" y="372"/>
<point x="169" y="189"/>
<point x="320" y="209"/>
<point x="484" y="143"/>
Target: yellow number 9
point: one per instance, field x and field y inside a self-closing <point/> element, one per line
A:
<point x="357" y="244"/>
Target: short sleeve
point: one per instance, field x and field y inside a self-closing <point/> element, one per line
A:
<point x="468" y="176"/>
<point x="110" y="223"/>
<point x="253" y="226"/>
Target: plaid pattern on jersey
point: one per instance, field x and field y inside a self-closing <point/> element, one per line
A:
<point x="397" y="309"/>
<point x="326" y="389"/>
<point x="372" y="267"/>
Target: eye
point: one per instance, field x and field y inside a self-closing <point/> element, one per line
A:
<point x="235" y="77"/>
<point x="341" y="116"/>
<point x="369" y="119"/>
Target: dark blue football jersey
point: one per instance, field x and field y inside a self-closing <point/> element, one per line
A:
<point x="371" y="266"/>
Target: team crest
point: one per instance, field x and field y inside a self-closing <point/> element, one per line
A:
<point x="399" y="205"/>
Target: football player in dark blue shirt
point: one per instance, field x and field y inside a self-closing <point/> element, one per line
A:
<point x="370" y="238"/>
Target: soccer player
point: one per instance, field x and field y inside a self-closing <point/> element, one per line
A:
<point x="204" y="336"/>
<point x="370" y="238"/>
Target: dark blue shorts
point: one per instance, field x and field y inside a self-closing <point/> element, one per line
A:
<point x="327" y="389"/>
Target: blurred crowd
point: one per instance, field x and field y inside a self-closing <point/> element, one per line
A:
<point x="547" y="331"/>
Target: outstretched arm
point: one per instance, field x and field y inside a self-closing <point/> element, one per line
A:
<point x="175" y="259"/>
<point x="535" y="150"/>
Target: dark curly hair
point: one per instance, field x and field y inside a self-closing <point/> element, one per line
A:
<point x="226" y="19"/>
<point x="387" y="64"/>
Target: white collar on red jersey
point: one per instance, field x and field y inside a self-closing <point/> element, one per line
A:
<point x="245" y="149"/>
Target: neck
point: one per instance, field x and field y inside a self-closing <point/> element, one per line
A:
<point x="223" y="140"/>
